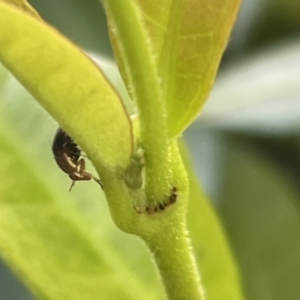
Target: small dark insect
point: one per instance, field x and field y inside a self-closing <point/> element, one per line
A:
<point x="67" y="155"/>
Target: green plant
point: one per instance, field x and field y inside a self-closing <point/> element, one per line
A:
<point x="168" y="62"/>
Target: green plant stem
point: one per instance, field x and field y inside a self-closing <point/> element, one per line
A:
<point x="164" y="233"/>
<point x="175" y="262"/>
<point x="130" y="32"/>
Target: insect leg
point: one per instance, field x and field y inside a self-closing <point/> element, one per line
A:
<point x="73" y="183"/>
<point x="81" y="165"/>
<point x="98" y="181"/>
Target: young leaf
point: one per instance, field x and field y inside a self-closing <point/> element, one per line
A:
<point x="68" y="84"/>
<point x="186" y="39"/>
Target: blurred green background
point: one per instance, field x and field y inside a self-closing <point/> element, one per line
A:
<point x="244" y="146"/>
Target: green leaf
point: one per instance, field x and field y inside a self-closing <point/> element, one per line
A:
<point x="219" y="272"/>
<point x="37" y="129"/>
<point x="186" y="39"/>
<point x="68" y="84"/>
<point x="48" y="242"/>
<point x="260" y="208"/>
